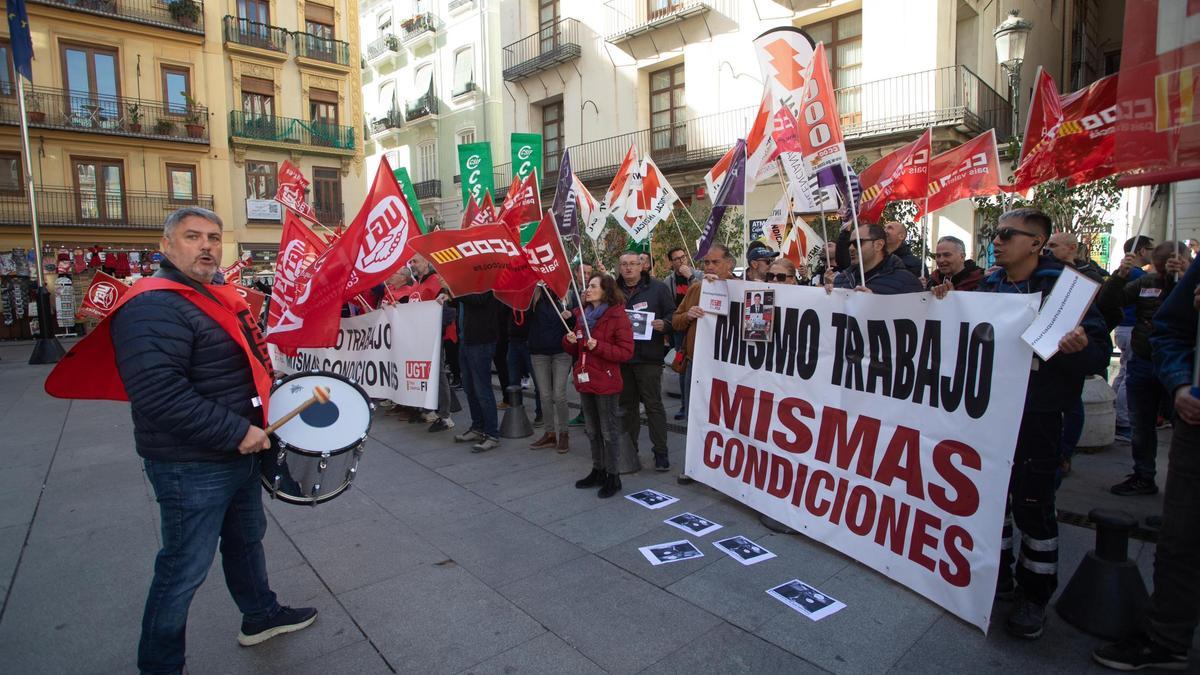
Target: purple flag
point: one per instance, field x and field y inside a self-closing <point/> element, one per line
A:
<point x="733" y="182"/>
<point x="710" y="230"/>
<point x="565" y="203"/>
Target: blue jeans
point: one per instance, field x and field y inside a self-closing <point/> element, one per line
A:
<point x="477" y="385"/>
<point x="201" y="503"/>
<point x="520" y="365"/>
<point x="1145" y="393"/>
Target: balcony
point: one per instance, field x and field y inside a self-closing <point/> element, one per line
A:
<point x="950" y="97"/>
<point x="628" y="19"/>
<point x="387" y="127"/>
<point x="459" y="6"/>
<point x="255" y="38"/>
<point x="49" y="108"/>
<point x="181" y="15"/>
<point x="322" y="52"/>
<point x="428" y="189"/>
<point x="71" y="207"/>
<point x="383" y="47"/>
<point x="329" y="215"/>
<point x="545" y="49"/>
<point x="424" y="108"/>
<point x="418" y="31"/>
<point x="313" y="137"/>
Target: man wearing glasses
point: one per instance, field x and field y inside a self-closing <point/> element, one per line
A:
<point x="717" y="264"/>
<point x="642" y="375"/>
<point x="1053" y="387"/>
<point x="885" y="273"/>
<point x="680" y="279"/>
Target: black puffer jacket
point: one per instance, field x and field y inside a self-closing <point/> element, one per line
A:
<point x="1145" y="294"/>
<point x="650" y="295"/>
<point x="887" y="278"/>
<point x="189" y="383"/>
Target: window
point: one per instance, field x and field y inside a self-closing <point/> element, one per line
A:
<point x="843" y="48"/>
<point x="8" y="85"/>
<point x="383" y="22"/>
<point x="254" y="18"/>
<point x="464" y="71"/>
<point x="423" y="81"/>
<point x="257" y="11"/>
<point x="323" y="111"/>
<point x="12" y="177"/>
<point x="90" y="74"/>
<point x="258" y="98"/>
<point x="552" y="135"/>
<point x="181" y="180"/>
<point x="668" y="131"/>
<point x="177" y="82"/>
<point x="327" y="195"/>
<point x="318" y="23"/>
<point x="427" y="161"/>
<point x="466" y="137"/>
<point x="100" y="185"/>
<point x="656" y="9"/>
<point x="260" y="180"/>
<point x="548" y="24"/>
<point x="387" y="98"/>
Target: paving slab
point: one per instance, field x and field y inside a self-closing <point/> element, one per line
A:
<point x="728" y="649"/>
<point x="358" y="553"/>
<point x="360" y="658"/>
<point x="546" y="654"/>
<point x="430" y="504"/>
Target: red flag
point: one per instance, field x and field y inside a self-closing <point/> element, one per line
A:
<point x="469" y="215"/>
<point x="102" y="296"/>
<point x="290" y="191"/>
<point x="234" y="271"/>
<point x="901" y="174"/>
<point x="1041" y="130"/>
<point x="299" y="247"/>
<point x="970" y="170"/>
<point x="476" y="260"/>
<point x="1158" y="132"/>
<point x="254" y="299"/>
<point x="478" y="214"/>
<point x="1087" y="136"/>
<point x="546" y="257"/>
<point x="523" y="204"/>
<point x="820" y="129"/>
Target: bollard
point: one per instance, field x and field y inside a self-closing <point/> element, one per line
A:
<point x="516" y="423"/>
<point x="1106" y="594"/>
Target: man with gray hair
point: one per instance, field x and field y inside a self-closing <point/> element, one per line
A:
<point x="195" y="370"/>
<point x="953" y="267"/>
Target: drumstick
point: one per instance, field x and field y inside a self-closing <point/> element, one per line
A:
<point x="320" y="395"/>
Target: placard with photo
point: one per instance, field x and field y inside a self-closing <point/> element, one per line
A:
<point x="652" y="499"/>
<point x="743" y="550"/>
<point x="643" y="326"/>
<point x="758" y="315"/>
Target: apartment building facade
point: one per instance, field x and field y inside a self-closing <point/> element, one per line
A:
<point x="430" y="83"/>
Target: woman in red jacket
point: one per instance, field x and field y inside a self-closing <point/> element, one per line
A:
<point x="597" y="375"/>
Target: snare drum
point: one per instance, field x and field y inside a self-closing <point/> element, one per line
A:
<point x="314" y="457"/>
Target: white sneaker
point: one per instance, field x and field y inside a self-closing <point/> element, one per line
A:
<point x="488" y="443"/>
<point x="469" y="436"/>
<point x="429" y="416"/>
<point x="527" y="382"/>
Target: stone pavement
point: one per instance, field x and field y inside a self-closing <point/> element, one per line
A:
<point x="441" y="561"/>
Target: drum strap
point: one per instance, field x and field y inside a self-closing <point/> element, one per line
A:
<point x="89" y="370"/>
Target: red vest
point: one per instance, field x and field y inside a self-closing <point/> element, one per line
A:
<point x="89" y="370"/>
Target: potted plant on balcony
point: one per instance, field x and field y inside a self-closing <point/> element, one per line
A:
<point x="185" y="12"/>
<point x="135" y="118"/>
<point x="33" y="108"/>
<point x="164" y="127"/>
<point x="193" y="119"/>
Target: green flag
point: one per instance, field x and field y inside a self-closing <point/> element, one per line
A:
<point x="527" y="155"/>
<point x="637" y="247"/>
<point x="410" y="196"/>
<point x="475" y="168"/>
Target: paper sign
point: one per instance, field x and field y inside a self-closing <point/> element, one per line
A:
<point x="672" y="551"/>
<point x="714" y="297"/>
<point x="643" y="327"/>
<point x="805" y="599"/>
<point x="1061" y="312"/>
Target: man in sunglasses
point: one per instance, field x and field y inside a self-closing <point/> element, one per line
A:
<point x="717" y="264"/>
<point x="1054" y="386"/>
<point x="758" y="260"/>
<point x="885" y="273"/>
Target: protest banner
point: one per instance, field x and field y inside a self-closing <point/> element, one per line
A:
<point x="392" y="353"/>
<point x="890" y="439"/>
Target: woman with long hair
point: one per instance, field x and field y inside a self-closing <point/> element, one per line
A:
<point x="599" y="350"/>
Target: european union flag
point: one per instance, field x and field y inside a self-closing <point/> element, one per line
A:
<point x="22" y="44"/>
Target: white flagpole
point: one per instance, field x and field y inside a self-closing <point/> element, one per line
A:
<point x="854" y="215"/>
<point x="682" y="238"/>
<point x="1174" y="225"/>
<point x="924" y="225"/>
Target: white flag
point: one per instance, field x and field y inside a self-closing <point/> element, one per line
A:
<point x="648" y="201"/>
<point x="594" y="224"/>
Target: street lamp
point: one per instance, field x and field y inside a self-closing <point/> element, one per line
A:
<point x="1010" y="52"/>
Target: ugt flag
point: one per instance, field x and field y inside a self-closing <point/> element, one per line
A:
<point x="298" y="248"/>
<point x="292" y="186"/>
<point x="564" y="205"/>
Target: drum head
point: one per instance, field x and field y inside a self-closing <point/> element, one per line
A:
<point x="330" y="427"/>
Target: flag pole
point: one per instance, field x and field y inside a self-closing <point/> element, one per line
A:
<point x="1174" y="224"/>
<point x="682" y="238"/>
<point x="47" y="348"/>
<point x="854" y="215"/>
<point x="924" y="224"/>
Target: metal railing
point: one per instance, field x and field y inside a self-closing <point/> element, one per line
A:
<point x="422" y="107"/>
<point x="555" y="44"/>
<point x="322" y="49"/>
<point x="73" y="207"/>
<point x="50" y="108"/>
<point x="181" y="15"/>
<point x="626" y="19"/>
<point x="392" y="120"/>
<point x="254" y="34"/>
<point x="382" y="45"/>
<point x="329" y="215"/>
<point x="418" y="25"/>
<point x="249" y="126"/>
<point x="428" y="189"/>
<point x="455" y="4"/>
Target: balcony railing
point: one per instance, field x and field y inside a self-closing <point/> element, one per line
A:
<point x="254" y="34"/>
<point x="417" y="26"/>
<point x="545" y="49"/>
<point x="422" y="107"/>
<point x="382" y="45"/>
<point x="392" y="120"/>
<point x="427" y="189"/>
<point x="148" y="12"/>
<point x="322" y="49"/>
<point x="329" y="215"/>
<point x="946" y="97"/>
<point x="627" y="19"/>
<point x="456" y="4"/>
<point x="50" y="108"/>
<point x="71" y="207"/>
<point x="250" y="127"/>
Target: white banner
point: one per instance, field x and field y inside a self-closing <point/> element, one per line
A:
<point x="881" y="426"/>
<point x="393" y="353"/>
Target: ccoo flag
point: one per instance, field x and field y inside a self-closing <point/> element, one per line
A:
<point x="901" y="174"/>
<point x="970" y="170"/>
<point x="22" y="43"/>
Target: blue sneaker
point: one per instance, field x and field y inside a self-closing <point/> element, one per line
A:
<point x="286" y="620"/>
